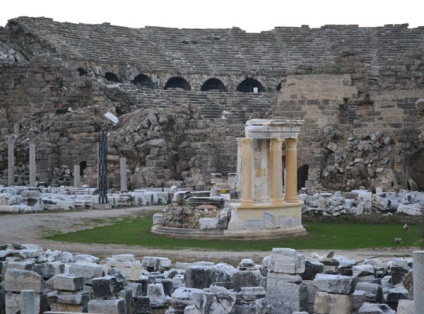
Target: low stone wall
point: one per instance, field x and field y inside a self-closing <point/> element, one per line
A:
<point x="283" y="282"/>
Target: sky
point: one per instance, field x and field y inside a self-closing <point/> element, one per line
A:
<point x="249" y="15"/>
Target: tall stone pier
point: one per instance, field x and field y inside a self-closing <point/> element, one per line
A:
<point x="263" y="211"/>
<point x="11" y="161"/>
<point x="32" y="164"/>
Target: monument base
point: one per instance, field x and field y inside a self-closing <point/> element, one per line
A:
<point x="255" y="222"/>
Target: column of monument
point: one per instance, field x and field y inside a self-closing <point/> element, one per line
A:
<point x="247" y="172"/>
<point x="11" y="161"/>
<point x="276" y="171"/>
<point x="291" y="170"/>
<point x="123" y="168"/>
<point x="32" y="164"/>
<point x="238" y="139"/>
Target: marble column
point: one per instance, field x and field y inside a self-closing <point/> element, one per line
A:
<point x="291" y="170"/>
<point x="32" y="164"/>
<point x="123" y="168"/>
<point x="238" y="163"/>
<point x="11" y="161"/>
<point x="77" y="176"/>
<point x="247" y="172"/>
<point x="418" y="258"/>
<point x="276" y="171"/>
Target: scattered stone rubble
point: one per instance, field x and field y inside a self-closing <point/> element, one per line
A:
<point x="363" y="202"/>
<point x="284" y="282"/>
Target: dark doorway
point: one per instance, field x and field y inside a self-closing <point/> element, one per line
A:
<point x="213" y="84"/>
<point x="250" y="85"/>
<point x="302" y="176"/>
<point x="177" y="82"/>
<point x="142" y="80"/>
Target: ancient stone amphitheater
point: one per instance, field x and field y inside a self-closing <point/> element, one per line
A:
<point x="183" y="95"/>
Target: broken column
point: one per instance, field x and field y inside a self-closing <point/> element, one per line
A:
<point x="123" y="168"/>
<point x="11" y="161"/>
<point x="32" y="164"/>
<point x="77" y="177"/>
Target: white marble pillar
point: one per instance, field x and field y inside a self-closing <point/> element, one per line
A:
<point x="123" y="168"/>
<point x="291" y="170"/>
<point x="418" y="257"/>
<point x="11" y="161"/>
<point x="32" y="164"/>
<point x="247" y="172"/>
<point x="77" y="176"/>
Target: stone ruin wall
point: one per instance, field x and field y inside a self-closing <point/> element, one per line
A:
<point x="166" y="135"/>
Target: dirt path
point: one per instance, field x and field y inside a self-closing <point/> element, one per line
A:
<point x="31" y="228"/>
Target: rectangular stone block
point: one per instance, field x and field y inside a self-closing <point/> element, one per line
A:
<point x="284" y="260"/>
<point x="116" y="306"/>
<point x="104" y="287"/>
<point x="335" y="283"/>
<point x="49" y="269"/>
<point x="67" y="282"/>
<point x="286" y="297"/>
<point x="17" y="280"/>
<point x="329" y="303"/>
<point x="87" y="270"/>
<point x="13" y="303"/>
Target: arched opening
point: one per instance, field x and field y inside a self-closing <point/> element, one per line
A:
<point x="142" y="80"/>
<point x="213" y="84"/>
<point x="83" y="165"/>
<point x="278" y="88"/>
<point x="111" y="77"/>
<point x="177" y="82"/>
<point x="82" y="71"/>
<point x="416" y="169"/>
<point x="302" y="176"/>
<point x="250" y="85"/>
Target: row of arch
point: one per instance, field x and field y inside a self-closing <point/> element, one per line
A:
<point x="248" y="85"/>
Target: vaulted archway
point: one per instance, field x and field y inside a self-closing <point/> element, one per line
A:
<point x="416" y="168"/>
<point x="177" y="82"/>
<point x="250" y="85"/>
<point x="112" y="77"/>
<point x="302" y="176"/>
<point x="213" y="84"/>
<point x="142" y="80"/>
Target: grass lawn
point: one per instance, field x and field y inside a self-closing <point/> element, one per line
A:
<point x="321" y="235"/>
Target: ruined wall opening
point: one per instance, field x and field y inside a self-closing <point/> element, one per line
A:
<point x="302" y="176"/>
<point x="213" y="84"/>
<point x="111" y="77"/>
<point x="142" y="80"/>
<point x="177" y="82"/>
<point x="83" y="166"/>
<point x="82" y="71"/>
<point x="250" y="85"/>
<point x="416" y="168"/>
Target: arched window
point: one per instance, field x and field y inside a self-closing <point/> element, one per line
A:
<point x="177" y="82"/>
<point x="142" y="80"/>
<point x="213" y="84"/>
<point x="250" y="85"/>
<point x="111" y="77"/>
<point x="83" y="165"/>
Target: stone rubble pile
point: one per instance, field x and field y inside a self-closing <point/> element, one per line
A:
<point x="284" y="282"/>
<point x="21" y="199"/>
<point x="362" y="202"/>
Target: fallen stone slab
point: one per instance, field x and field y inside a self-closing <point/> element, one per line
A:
<point x="335" y="283"/>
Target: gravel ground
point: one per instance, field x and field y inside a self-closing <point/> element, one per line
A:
<point x="31" y="228"/>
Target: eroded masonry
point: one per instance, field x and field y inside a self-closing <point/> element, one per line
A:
<point x="182" y="97"/>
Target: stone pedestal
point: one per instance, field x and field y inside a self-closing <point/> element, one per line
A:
<point x="77" y="176"/>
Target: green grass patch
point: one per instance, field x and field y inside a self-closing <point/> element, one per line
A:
<point x="321" y="235"/>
